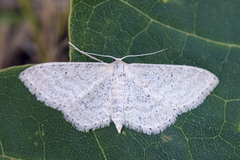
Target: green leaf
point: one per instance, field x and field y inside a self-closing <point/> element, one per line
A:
<point x="199" y="33"/>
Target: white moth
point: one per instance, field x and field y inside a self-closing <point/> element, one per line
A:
<point x="143" y="97"/>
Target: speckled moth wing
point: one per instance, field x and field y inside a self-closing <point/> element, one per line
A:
<point x="79" y="90"/>
<point x="158" y="93"/>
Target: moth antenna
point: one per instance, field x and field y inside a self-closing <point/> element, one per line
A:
<point x="85" y="53"/>
<point x="139" y="55"/>
<point x="89" y="54"/>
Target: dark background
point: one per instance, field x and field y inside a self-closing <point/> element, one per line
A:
<point x="33" y="31"/>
